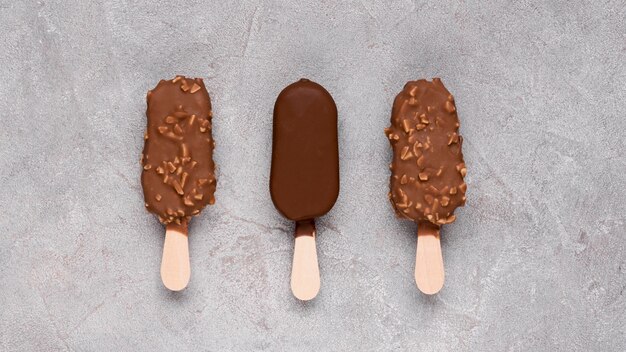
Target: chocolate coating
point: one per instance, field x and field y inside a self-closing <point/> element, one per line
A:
<point x="427" y="169"/>
<point x="178" y="175"/>
<point x="304" y="180"/>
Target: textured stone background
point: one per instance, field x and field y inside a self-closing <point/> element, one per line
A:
<point x="536" y="261"/>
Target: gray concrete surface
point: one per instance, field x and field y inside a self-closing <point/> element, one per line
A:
<point x="536" y="261"/>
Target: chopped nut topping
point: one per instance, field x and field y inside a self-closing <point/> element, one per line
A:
<point x="423" y="176"/>
<point x="170" y="119"/>
<point x="178" y="187"/>
<point x="404" y="198"/>
<point x="183" y="179"/>
<point x="403" y="181"/>
<point x="449" y="106"/>
<point x="405" y="154"/>
<point x="445" y="201"/>
<point x="184" y="150"/>
<point x="195" y="88"/>
<point x="158" y="197"/>
<point x="406" y="125"/>
<point x="454" y="138"/>
<point x="417" y="148"/>
<point x="172" y="136"/>
<point x="435" y="206"/>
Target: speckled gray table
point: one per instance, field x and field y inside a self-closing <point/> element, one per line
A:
<point x="536" y="261"/>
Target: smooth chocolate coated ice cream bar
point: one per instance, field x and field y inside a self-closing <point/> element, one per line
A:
<point x="178" y="175"/>
<point x="427" y="169"/>
<point x="304" y="178"/>
<point x="304" y="181"/>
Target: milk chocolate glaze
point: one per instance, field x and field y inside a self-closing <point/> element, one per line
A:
<point x="304" y="180"/>
<point x="178" y="175"/>
<point x="427" y="170"/>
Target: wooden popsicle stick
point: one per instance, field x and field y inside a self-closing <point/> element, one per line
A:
<point x="305" y="271"/>
<point x="429" y="273"/>
<point x="175" y="270"/>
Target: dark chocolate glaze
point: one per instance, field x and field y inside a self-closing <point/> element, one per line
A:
<point x="427" y="169"/>
<point x="178" y="175"/>
<point x="304" y="180"/>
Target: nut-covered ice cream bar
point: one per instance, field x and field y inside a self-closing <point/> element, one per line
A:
<point x="178" y="175"/>
<point x="427" y="169"/>
<point x="178" y="171"/>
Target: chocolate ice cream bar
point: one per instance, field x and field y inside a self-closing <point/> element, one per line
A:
<point x="178" y="175"/>
<point x="427" y="171"/>
<point x="178" y="171"/>
<point x="304" y="181"/>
